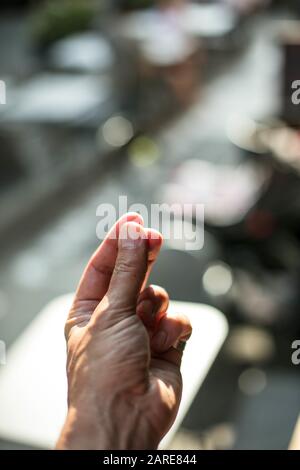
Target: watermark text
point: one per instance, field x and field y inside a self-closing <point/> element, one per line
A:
<point x="173" y="221"/>
<point x="296" y="353"/>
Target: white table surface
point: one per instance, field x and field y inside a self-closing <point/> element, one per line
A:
<point x="57" y="98"/>
<point x="33" y="382"/>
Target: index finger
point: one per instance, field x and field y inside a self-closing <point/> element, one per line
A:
<point x="95" y="280"/>
<point x="96" y="276"/>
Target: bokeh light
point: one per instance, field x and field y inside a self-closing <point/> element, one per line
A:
<point x="117" y="131"/>
<point x="143" y="152"/>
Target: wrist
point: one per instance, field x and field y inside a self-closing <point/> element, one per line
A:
<point x="90" y="432"/>
<point x="81" y="433"/>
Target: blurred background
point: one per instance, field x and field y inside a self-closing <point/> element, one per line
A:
<point x="163" y="101"/>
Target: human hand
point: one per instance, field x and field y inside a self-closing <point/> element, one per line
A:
<point x="123" y="366"/>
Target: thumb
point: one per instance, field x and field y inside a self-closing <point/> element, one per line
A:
<point x="130" y="270"/>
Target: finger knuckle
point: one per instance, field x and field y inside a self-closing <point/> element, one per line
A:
<point x="126" y="265"/>
<point x="159" y="290"/>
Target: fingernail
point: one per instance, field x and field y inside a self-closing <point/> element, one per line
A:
<point x="131" y="236"/>
<point x="159" y="340"/>
<point x="135" y="217"/>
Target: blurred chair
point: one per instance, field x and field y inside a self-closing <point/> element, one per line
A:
<point x="85" y="52"/>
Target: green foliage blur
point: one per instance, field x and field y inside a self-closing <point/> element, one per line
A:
<point x="56" y="19"/>
<point x="128" y="5"/>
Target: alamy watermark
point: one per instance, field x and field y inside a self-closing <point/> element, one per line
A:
<point x="296" y="353"/>
<point x="296" y="92"/>
<point x="172" y="220"/>
<point x="2" y="92"/>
